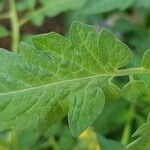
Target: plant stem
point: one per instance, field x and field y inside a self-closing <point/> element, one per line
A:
<point x="15" y="29"/>
<point x="128" y="127"/>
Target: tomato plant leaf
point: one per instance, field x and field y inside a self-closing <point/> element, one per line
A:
<point x="133" y="90"/>
<point x="57" y="76"/>
<point x="143" y="142"/>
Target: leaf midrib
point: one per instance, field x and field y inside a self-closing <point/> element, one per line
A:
<point x="123" y="72"/>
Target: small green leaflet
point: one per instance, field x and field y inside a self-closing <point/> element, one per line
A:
<point x="133" y="90"/>
<point x="57" y="76"/>
<point x="143" y="142"/>
<point x="137" y="89"/>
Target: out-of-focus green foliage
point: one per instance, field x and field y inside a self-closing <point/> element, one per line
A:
<point x="107" y="144"/>
<point x="49" y="8"/>
<point x="143" y="142"/>
<point x="23" y="5"/>
<point x="1" y="5"/>
<point x="103" y="6"/>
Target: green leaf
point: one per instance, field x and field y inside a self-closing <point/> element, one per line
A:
<point x="134" y="90"/>
<point x="103" y="6"/>
<point x="113" y="92"/>
<point x="107" y="144"/>
<point x="36" y="20"/>
<point x="27" y="4"/>
<point x="146" y="60"/>
<point x="52" y="8"/>
<point x="114" y="53"/>
<point x="143" y="142"/>
<point x="81" y="106"/>
<point x="93" y="7"/>
<point x="140" y="144"/>
<point x="3" y="32"/>
<point x="56" y="76"/>
<point x="144" y="129"/>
